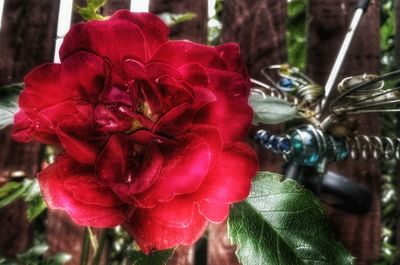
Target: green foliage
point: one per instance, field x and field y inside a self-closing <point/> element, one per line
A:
<point x="136" y="257"/>
<point x="91" y="10"/>
<point x="296" y="33"/>
<point x="387" y="33"/>
<point x="35" y="256"/>
<point x="8" y="103"/>
<point x="271" y="110"/>
<point x="282" y="223"/>
<point x="27" y="189"/>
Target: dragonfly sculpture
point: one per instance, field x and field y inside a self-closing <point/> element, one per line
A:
<point x="326" y="132"/>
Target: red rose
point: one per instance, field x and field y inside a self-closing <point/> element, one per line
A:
<point x="152" y="129"/>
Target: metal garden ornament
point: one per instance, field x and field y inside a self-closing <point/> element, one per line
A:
<point x="327" y="135"/>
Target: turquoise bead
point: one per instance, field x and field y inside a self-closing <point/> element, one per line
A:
<point x="305" y="148"/>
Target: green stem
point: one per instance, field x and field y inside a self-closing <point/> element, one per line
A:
<point x="99" y="250"/>
<point x="85" y="247"/>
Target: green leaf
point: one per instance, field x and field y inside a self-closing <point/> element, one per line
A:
<point x="92" y="10"/>
<point x="96" y="4"/>
<point x="172" y="19"/>
<point x="8" y="103"/>
<point x="59" y="258"/>
<point x="12" y="191"/>
<point x="136" y="257"/>
<point x="282" y="223"/>
<point x="271" y="110"/>
<point x="29" y="190"/>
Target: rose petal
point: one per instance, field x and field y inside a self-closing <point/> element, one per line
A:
<point x="157" y="69"/>
<point x="185" y="165"/>
<point x="212" y="135"/>
<point x="178" y="53"/>
<point x="109" y="121"/>
<point x="230" y="51"/>
<point x="175" y="213"/>
<point x="214" y="211"/>
<point x="194" y="74"/>
<point x="115" y="39"/>
<point x="228" y="181"/>
<point x="81" y="76"/>
<point x="79" y="179"/>
<point x="126" y="172"/>
<point x="175" y="122"/>
<point x="21" y="131"/>
<point x="151" y="234"/>
<point x="83" y="214"/>
<point x="79" y="137"/>
<point x="153" y="28"/>
<point x="231" y="112"/>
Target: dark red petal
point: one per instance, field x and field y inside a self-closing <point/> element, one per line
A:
<point x="107" y="120"/>
<point x="112" y="164"/>
<point x="116" y="165"/>
<point x="114" y="39"/>
<point x="43" y="123"/>
<point x="78" y="77"/>
<point x="230" y="179"/>
<point x="83" y="214"/>
<point x="21" y="129"/>
<point x="175" y="122"/>
<point x="79" y="179"/>
<point x="134" y="70"/>
<point x="230" y="51"/>
<point x="143" y="178"/>
<point x="185" y="165"/>
<point x="151" y="234"/>
<point x="231" y="112"/>
<point x="114" y="94"/>
<point x="194" y="74"/>
<point x="153" y="28"/>
<point x="79" y="137"/>
<point x="178" y="53"/>
<point x="157" y="69"/>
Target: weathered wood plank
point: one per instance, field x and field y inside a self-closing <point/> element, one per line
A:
<point x="328" y="22"/>
<point x="26" y="40"/>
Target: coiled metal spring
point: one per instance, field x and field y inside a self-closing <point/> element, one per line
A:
<point x="373" y="147"/>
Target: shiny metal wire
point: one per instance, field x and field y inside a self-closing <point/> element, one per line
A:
<point x="304" y="88"/>
<point x="373" y="147"/>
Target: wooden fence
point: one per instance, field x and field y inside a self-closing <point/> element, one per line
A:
<point x="27" y="39"/>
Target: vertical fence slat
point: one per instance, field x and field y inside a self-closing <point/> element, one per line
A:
<point x="195" y="29"/>
<point x="259" y="26"/>
<point x="26" y="40"/>
<point x="329" y="21"/>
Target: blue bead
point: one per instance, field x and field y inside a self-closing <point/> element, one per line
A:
<point x="284" y="145"/>
<point x="285" y="82"/>
<point x="263" y="137"/>
<point x="274" y="144"/>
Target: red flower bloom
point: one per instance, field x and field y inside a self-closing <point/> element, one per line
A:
<point x="152" y="129"/>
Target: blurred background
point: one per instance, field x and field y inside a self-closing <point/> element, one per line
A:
<point x="306" y="34"/>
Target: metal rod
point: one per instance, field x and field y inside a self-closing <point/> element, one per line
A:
<point x="342" y="53"/>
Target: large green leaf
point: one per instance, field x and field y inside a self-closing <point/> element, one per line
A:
<point x="282" y="223"/>
<point x="136" y="257"/>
